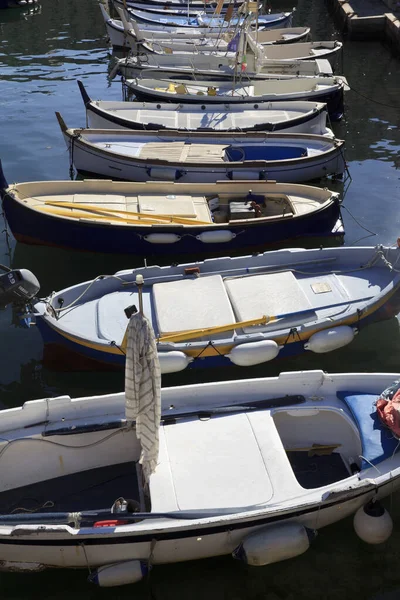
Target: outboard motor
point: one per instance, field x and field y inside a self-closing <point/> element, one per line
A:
<point x="17" y="287"/>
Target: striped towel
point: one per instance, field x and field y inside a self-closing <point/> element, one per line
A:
<point x="143" y="389"/>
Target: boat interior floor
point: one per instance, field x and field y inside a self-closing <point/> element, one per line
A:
<point x="318" y="470"/>
<point x="87" y="490"/>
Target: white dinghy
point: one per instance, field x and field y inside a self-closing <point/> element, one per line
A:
<point x="250" y="468"/>
<point x="208" y="66"/>
<point x="279" y="52"/>
<point x="194" y="157"/>
<point x="243" y="311"/>
<point x="293" y="117"/>
<point x="253" y="91"/>
<point x="174" y="45"/>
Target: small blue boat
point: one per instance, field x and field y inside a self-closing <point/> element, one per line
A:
<point x="227" y="311"/>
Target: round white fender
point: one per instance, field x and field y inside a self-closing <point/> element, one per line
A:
<point x="372" y="523"/>
<point x="275" y="543"/>
<point x="121" y="573"/>
<point x="162" y="238"/>
<point x="173" y="361"/>
<point x="330" y="339"/>
<point x="216" y="237"/>
<point x="254" y="353"/>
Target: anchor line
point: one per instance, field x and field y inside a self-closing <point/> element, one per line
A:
<point x="374" y="101"/>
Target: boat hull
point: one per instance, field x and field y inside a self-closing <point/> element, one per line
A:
<point x="107" y="546"/>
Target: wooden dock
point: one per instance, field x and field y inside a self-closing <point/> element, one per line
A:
<point x="370" y="19"/>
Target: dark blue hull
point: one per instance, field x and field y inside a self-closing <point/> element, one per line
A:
<point x="32" y="227"/>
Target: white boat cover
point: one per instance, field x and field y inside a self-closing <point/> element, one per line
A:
<point x="143" y="389"/>
<point x="243" y="448"/>
<point x="270" y="294"/>
<point x="192" y="304"/>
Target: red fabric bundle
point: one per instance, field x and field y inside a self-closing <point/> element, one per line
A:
<point x="389" y="412"/>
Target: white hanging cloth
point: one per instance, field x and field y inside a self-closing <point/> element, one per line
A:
<point x="143" y="389"/>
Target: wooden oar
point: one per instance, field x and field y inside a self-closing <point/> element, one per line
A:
<point x="114" y="213"/>
<point x="196" y="333"/>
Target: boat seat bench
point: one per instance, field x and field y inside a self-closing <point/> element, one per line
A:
<point x="377" y="441"/>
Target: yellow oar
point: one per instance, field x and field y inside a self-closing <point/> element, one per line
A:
<point x="95" y="217"/>
<point x="126" y="214"/>
<point x="196" y="333"/>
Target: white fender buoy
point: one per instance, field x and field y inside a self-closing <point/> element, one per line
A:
<point x="330" y="339"/>
<point x="274" y="543"/>
<point x="372" y="523"/>
<point x="216" y="237"/>
<point x="123" y="573"/>
<point x="162" y="238"/>
<point x="254" y="353"/>
<point x="173" y="361"/>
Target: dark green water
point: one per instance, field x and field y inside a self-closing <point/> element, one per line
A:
<point x="42" y="53"/>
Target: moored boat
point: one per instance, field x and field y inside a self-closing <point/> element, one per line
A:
<point x="270" y="21"/>
<point x="241" y="311"/>
<point x="308" y="449"/>
<point x="161" y="218"/>
<point x="193" y="157"/>
<point x="208" y="43"/>
<point x="279" y="52"/>
<point x="329" y="90"/>
<point x="290" y="117"/>
<point x="210" y="65"/>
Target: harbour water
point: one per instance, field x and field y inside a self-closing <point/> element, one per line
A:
<point x="43" y="50"/>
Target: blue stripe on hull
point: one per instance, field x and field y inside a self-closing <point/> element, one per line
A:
<point x="101" y="360"/>
<point x="38" y="228"/>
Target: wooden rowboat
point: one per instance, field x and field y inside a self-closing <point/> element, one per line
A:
<point x="161" y="218"/>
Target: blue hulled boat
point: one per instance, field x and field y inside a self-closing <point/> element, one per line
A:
<point x="165" y="218"/>
<point x="242" y="311"/>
